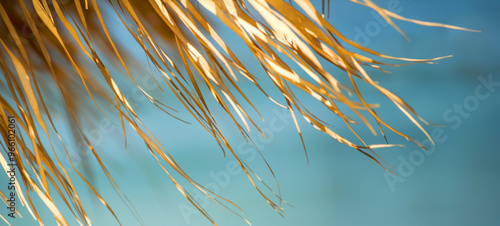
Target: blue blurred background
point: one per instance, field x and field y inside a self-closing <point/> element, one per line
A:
<point x="454" y="183"/>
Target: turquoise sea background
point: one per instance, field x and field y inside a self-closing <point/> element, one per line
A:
<point x="456" y="182"/>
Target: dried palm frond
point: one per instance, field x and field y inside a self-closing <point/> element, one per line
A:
<point x="56" y="58"/>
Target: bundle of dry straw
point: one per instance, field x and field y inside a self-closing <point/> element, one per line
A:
<point x="47" y="45"/>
